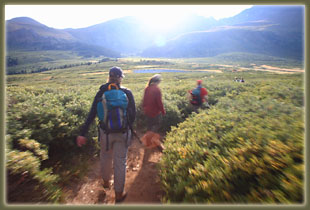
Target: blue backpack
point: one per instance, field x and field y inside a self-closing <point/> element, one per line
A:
<point x="195" y="97"/>
<point x="112" y="110"/>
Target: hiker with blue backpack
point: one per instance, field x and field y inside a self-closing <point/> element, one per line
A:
<point x="199" y="96"/>
<point x="115" y="108"/>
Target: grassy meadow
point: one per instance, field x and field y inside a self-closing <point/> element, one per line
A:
<point x="247" y="148"/>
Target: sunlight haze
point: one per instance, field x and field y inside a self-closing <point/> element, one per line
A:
<point x="79" y="16"/>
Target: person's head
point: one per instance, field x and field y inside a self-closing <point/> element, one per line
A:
<point x="116" y="75"/>
<point x="199" y="82"/>
<point x="156" y="79"/>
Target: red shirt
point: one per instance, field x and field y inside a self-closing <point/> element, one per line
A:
<point x="203" y="93"/>
<point x="152" y="103"/>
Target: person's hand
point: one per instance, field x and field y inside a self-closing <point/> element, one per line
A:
<point x="81" y="140"/>
<point x="207" y="105"/>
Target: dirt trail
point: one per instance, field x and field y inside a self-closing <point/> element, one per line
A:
<point x="142" y="181"/>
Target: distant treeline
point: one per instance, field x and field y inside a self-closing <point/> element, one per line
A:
<point x="152" y="62"/>
<point x="14" y="61"/>
<point x="11" y="61"/>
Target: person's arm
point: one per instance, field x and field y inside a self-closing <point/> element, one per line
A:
<point x="159" y="102"/>
<point x="91" y="115"/>
<point x="144" y="100"/>
<point x="131" y="106"/>
<point x="206" y="98"/>
<point x="81" y="139"/>
<point x="204" y="94"/>
<point x="189" y="95"/>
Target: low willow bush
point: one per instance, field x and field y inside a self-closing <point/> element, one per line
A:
<point x="42" y="125"/>
<point x="27" y="182"/>
<point x="246" y="149"/>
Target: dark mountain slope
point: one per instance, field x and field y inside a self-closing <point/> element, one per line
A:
<point x="26" y="30"/>
<point x="206" y="44"/>
<point x="283" y="18"/>
<point x="27" y="34"/>
<point x="271" y="30"/>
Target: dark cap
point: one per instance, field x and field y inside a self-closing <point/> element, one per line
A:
<point x="116" y="72"/>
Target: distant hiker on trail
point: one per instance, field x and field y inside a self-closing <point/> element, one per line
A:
<point x="153" y="106"/>
<point x="239" y="79"/>
<point x="115" y="107"/>
<point x="152" y="103"/>
<point x="198" y="96"/>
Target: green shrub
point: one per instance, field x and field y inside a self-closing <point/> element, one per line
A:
<point x="210" y="157"/>
<point x="41" y="131"/>
<point x="246" y="149"/>
<point x="27" y="182"/>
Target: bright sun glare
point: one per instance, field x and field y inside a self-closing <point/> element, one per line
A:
<point x="161" y="20"/>
<point x="164" y="18"/>
<point x="156" y="17"/>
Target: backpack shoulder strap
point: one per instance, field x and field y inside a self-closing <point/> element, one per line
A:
<point x="103" y="89"/>
<point x="112" y="85"/>
<point x="105" y="108"/>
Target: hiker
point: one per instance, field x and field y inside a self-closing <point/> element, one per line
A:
<point x="198" y="96"/>
<point x="113" y="143"/>
<point x="237" y="79"/>
<point x="152" y="103"/>
<point x="242" y="80"/>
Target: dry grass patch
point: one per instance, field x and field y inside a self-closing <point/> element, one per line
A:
<point x="94" y="73"/>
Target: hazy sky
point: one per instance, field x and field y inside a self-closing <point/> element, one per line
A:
<point x="79" y="16"/>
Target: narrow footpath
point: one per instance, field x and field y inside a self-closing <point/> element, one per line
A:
<point x="142" y="181"/>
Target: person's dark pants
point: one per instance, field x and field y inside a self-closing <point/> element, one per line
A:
<point x="153" y="123"/>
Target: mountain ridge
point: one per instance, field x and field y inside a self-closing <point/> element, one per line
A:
<point x="273" y="31"/>
<point x="24" y="33"/>
<point x="276" y="31"/>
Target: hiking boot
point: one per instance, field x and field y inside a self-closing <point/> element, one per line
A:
<point x="120" y="196"/>
<point x="101" y="196"/>
<point x="106" y="184"/>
